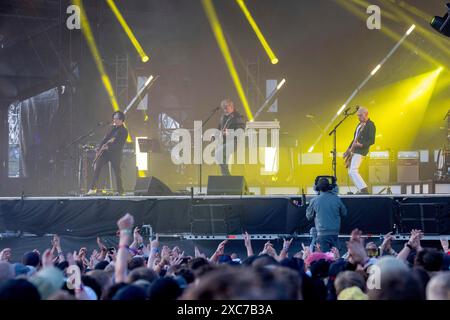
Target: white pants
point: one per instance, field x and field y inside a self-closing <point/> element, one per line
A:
<point x="353" y="171"/>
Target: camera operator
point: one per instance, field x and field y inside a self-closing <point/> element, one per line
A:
<point x="327" y="210"/>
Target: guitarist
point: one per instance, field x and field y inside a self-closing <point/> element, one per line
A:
<point x="359" y="148"/>
<point x="110" y="150"/>
<point x="231" y="120"/>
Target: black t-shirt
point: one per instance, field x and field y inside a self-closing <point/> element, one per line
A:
<point x="120" y="133"/>
<point x="232" y="121"/>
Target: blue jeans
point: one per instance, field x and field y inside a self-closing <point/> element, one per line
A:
<point x="327" y="242"/>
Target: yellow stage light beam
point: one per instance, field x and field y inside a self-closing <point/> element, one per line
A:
<point x="361" y="86"/>
<point x="414" y="10"/>
<point x="273" y="58"/>
<point x="426" y="32"/>
<point x="425" y="85"/>
<point x="404" y="102"/>
<point x="351" y="7"/>
<point x="386" y="14"/>
<point x="87" y="32"/>
<point x="127" y="29"/>
<point x="221" y="41"/>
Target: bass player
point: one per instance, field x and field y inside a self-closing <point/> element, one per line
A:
<point x="363" y="138"/>
<point x="110" y="150"/>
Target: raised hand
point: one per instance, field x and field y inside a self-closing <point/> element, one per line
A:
<point x="100" y="244"/>
<point x="305" y="252"/>
<point x="357" y="252"/>
<point x="137" y="236"/>
<point x="387" y="242"/>
<point x="414" y="239"/>
<point x="221" y="247"/>
<point x="126" y="222"/>
<point x="247" y="240"/>
<point x="318" y="248"/>
<point x="287" y="244"/>
<point x="56" y="242"/>
<point x="356" y="235"/>
<point x="165" y="253"/>
<point x="5" y="255"/>
<point x="155" y="243"/>
<point x="47" y="258"/>
<point x="198" y="254"/>
<point x="444" y="243"/>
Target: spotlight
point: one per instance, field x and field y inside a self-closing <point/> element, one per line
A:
<point x="442" y="24"/>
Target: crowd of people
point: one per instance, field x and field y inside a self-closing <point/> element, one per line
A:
<point x="135" y="270"/>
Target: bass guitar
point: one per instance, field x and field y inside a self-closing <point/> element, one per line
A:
<point x="102" y="150"/>
<point x="348" y="155"/>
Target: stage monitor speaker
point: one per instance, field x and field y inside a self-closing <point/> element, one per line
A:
<point x="151" y="186"/>
<point x="432" y="218"/>
<point x="227" y="185"/>
<point x="214" y="219"/>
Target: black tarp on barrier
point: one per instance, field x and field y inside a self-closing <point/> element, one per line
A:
<point x="86" y="217"/>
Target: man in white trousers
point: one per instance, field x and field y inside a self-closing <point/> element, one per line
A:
<point x="363" y="138"/>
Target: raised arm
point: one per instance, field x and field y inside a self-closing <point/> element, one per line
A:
<point x="412" y="244"/>
<point x="248" y="244"/>
<point x="125" y="225"/>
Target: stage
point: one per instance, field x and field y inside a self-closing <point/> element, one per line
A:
<point x="28" y="223"/>
<point x="217" y="215"/>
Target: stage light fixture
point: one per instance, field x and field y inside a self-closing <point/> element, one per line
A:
<point x="442" y="24"/>
<point x="341" y="109"/>
<point x="410" y="30"/>
<point x="376" y="69"/>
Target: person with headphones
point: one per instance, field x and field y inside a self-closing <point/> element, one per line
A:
<point x="326" y="209"/>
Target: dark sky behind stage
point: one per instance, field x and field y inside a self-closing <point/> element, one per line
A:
<point x="325" y="52"/>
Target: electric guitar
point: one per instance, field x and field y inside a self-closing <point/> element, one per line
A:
<point x="227" y="123"/>
<point x="102" y="150"/>
<point x="348" y="155"/>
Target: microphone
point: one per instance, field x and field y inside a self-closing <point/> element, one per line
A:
<point x="310" y="116"/>
<point x="349" y="108"/>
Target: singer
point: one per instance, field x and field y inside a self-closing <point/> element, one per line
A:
<point x="110" y="150"/>
<point x="363" y="138"/>
<point x="231" y="120"/>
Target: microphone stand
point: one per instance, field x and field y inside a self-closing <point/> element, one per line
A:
<point x="201" y="158"/>
<point x="84" y="136"/>
<point x="90" y="133"/>
<point x="334" y="133"/>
